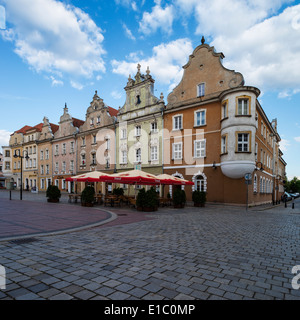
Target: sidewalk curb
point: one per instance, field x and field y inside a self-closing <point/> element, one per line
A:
<point x="63" y="231"/>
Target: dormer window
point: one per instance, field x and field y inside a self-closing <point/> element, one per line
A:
<point x="201" y="90"/>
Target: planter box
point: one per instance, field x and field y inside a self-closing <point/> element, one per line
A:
<point x="53" y="200"/>
<point x="87" y="204"/>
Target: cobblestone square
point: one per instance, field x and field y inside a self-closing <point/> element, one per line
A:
<point x="215" y="252"/>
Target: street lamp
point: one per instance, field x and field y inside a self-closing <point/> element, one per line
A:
<point x="18" y="155"/>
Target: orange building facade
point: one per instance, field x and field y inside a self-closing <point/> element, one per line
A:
<point x="216" y="134"/>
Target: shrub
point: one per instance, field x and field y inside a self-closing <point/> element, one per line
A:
<point x="87" y="195"/>
<point x="199" y="197"/>
<point x="141" y="197"/>
<point x="53" y="193"/>
<point x="179" y="197"/>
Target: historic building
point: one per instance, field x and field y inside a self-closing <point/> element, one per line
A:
<point x="6" y="167"/>
<point x="44" y="156"/>
<point x="64" y="149"/>
<point x="140" y="126"/>
<point x="16" y="149"/>
<point x="96" y="138"/>
<point x="30" y="164"/>
<point x="218" y="133"/>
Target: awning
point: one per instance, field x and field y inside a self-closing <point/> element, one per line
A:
<point x="171" y="180"/>
<point x="93" y="176"/>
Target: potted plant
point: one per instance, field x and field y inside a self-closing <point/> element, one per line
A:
<point x="140" y="199"/>
<point x="53" y="194"/>
<point x="179" y="198"/>
<point x="87" y="196"/>
<point x="151" y="200"/>
<point x="199" y="198"/>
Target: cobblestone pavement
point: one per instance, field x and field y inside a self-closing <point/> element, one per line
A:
<point x="216" y="252"/>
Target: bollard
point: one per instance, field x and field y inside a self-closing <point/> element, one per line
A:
<point x="285" y="203"/>
<point x="293" y="203"/>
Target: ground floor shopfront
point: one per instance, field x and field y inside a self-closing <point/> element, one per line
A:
<point x="262" y="188"/>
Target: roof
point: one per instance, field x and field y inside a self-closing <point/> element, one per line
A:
<point x="54" y="127"/>
<point x="77" y="122"/>
<point x="113" y="112"/>
<point x="23" y="130"/>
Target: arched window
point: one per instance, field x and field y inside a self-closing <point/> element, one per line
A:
<point x="199" y="183"/>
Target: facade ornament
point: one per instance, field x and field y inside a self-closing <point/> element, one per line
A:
<point x="202" y="40"/>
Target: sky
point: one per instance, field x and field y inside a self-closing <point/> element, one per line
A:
<point x="54" y="52"/>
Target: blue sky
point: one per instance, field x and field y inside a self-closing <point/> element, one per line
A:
<point x="54" y="52"/>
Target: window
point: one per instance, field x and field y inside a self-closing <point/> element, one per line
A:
<point x="256" y="151"/>
<point x="47" y="154"/>
<point x="64" y="148"/>
<point x="200" y="118"/>
<point x="224" y="111"/>
<point x="124" y="157"/>
<point x="255" y="184"/>
<point x="123" y="134"/>
<point x="63" y="166"/>
<point x="47" y="168"/>
<point x="83" y="141"/>
<point x="138" y="131"/>
<point x="34" y="163"/>
<point x="177" y="122"/>
<point x="242" y="106"/>
<point x="223" y="144"/>
<point x="199" y="148"/>
<point x="243" y="144"/>
<point x="107" y="163"/>
<point x="63" y="184"/>
<point x="107" y="144"/>
<point x="92" y="121"/>
<point x="98" y="120"/>
<point x="42" y="155"/>
<point x="94" y="139"/>
<point x="177" y="151"/>
<point x="201" y="90"/>
<point x="83" y="159"/>
<point x="154" y="155"/>
<point x="138" y="155"/>
<point x="94" y="158"/>
<point x="42" y="169"/>
<point x="72" y="165"/>
<point x="71" y="146"/>
<point x="56" y="166"/>
<point x="154" y="127"/>
<point x="199" y="184"/>
<point x="7" y="153"/>
<point x="56" y="149"/>
<point x="7" y="165"/>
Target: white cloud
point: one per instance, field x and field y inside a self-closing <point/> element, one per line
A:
<point x="116" y="94"/>
<point x="297" y="139"/>
<point x="284" y="144"/>
<point x="54" y="37"/>
<point x="267" y="53"/>
<point x="4" y="137"/>
<point x="76" y="85"/>
<point x="128" y="32"/>
<point x="165" y="63"/>
<point x="159" y="18"/>
<point x="55" y="82"/>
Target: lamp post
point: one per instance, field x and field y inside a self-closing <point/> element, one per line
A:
<point x="18" y="155"/>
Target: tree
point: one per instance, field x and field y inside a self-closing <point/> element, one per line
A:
<point x="293" y="185"/>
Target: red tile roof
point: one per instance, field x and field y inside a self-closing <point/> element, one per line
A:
<point x="23" y="130"/>
<point x="113" y="112"/>
<point x="54" y="127"/>
<point x="77" y="122"/>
